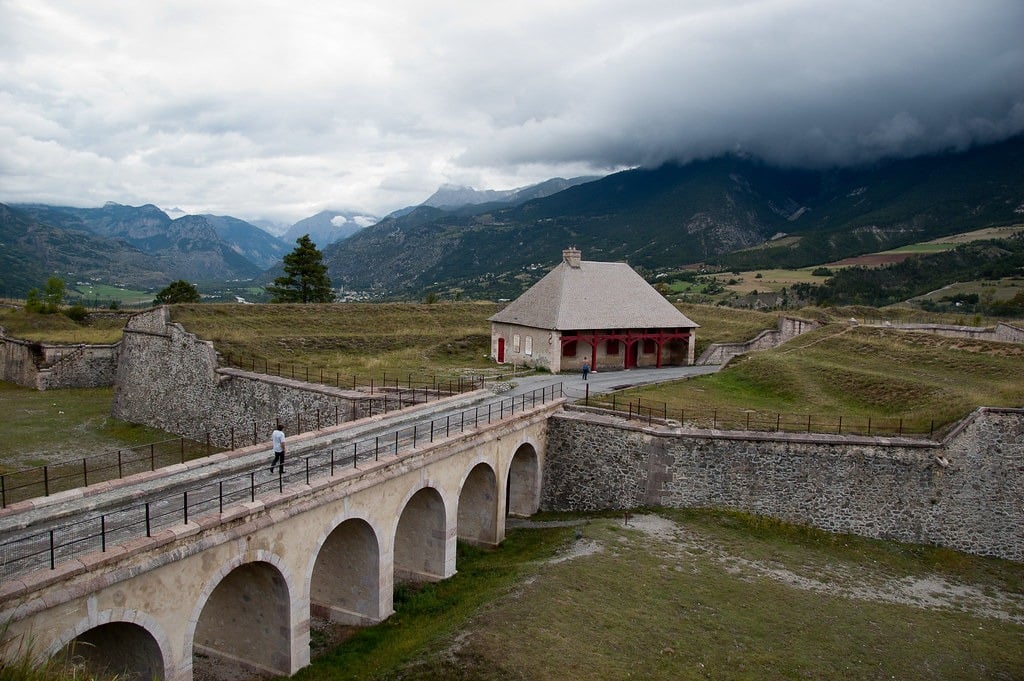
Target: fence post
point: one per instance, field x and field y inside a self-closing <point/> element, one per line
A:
<point x="220" y="496"/>
<point x="376" y="448"/>
<point x="85" y="473"/>
<point x="808" y="423"/>
<point x="840" y="424"/>
<point x="103" y="533"/>
<point x="184" y="496"/>
<point x="869" y="425"/>
<point x="120" y="470"/>
<point x="148" y="528"/>
<point x="53" y="557"/>
<point x="307" y="466"/>
<point x="252" y="486"/>
<point x="414" y="436"/>
<point x="152" y="456"/>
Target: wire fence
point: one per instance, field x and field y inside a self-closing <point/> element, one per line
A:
<point x="65" y="541"/>
<point x="765" y="421"/>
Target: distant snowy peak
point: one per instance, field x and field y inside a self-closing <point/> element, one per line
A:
<point x="329" y="226"/>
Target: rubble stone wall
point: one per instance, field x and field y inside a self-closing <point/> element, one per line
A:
<point x="169" y="379"/>
<point x="965" y="493"/>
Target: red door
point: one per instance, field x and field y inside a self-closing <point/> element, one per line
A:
<point x="501" y="350"/>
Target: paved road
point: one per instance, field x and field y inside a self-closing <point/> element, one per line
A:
<point x="575" y="388"/>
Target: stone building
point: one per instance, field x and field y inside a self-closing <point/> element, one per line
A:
<point x="602" y="313"/>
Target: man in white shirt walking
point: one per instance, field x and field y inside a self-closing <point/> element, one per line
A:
<point x="278" y="439"/>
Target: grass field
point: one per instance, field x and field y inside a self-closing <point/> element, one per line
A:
<point x="59" y="328"/>
<point x="697" y="595"/>
<point x="361" y="338"/>
<point x="101" y="295"/>
<point x="859" y="371"/>
<point x="57" y="425"/>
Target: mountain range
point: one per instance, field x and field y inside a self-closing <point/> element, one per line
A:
<point x="727" y="212"/>
<point x="731" y="211"/>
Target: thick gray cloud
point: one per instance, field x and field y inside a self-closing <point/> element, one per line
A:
<point x="276" y="109"/>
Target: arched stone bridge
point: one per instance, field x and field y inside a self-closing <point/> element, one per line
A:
<point x="242" y="585"/>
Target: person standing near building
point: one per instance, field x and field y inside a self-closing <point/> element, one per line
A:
<point x="277" y="437"/>
<point x="586" y="369"/>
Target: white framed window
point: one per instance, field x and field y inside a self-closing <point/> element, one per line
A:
<point x="528" y="348"/>
<point x="515" y="342"/>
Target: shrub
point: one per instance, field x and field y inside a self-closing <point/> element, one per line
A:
<point x="77" y="312"/>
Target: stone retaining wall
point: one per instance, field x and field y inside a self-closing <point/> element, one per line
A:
<point x="788" y="328"/>
<point x="1001" y="332"/>
<point x="46" y="366"/>
<point x="966" y="493"/>
<point x="169" y="379"/>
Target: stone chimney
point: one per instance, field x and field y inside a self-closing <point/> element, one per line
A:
<point x="571" y="256"/>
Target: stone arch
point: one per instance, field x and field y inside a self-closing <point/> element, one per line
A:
<point x="126" y="643"/>
<point x="344" y="583"/>
<point x="522" y="489"/>
<point x="477" y="519"/>
<point x="421" y="538"/>
<point x="243" y="620"/>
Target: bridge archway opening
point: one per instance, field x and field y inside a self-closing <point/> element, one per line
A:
<point x="420" y="539"/>
<point x="123" y="649"/>
<point x="523" y="489"/>
<point x="244" y="626"/>
<point x="345" y="586"/>
<point x="478" y="507"/>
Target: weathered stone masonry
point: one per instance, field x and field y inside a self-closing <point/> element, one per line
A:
<point x="169" y="379"/>
<point x="966" y="492"/>
<point x="46" y="366"/>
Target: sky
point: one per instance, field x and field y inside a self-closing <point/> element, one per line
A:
<point x="273" y="110"/>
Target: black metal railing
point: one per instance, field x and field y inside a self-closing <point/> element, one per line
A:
<point x="68" y="540"/>
<point x="766" y="421"/>
<point x="42" y="481"/>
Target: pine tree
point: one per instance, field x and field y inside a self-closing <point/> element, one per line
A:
<point x="179" y="291"/>
<point x="305" y="279"/>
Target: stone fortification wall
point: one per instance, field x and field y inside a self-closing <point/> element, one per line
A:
<point x="169" y="379"/>
<point x="965" y="493"/>
<point x="45" y="366"/>
<point x="1001" y="332"/>
<point x="789" y="327"/>
<point x="1008" y="333"/>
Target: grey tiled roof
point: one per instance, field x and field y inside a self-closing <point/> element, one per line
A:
<point x="595" y="295"/>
